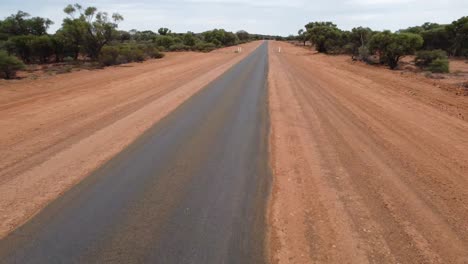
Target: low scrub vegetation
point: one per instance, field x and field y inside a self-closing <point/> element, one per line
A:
<point x="433" y="60"/>
<point x="432" y="42"/>
<point x="125" y="53"/>
<point x="439" y="66"/>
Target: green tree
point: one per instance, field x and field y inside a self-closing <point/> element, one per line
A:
<point x="9" y="65"/>
<point x="392" y="46"/>
<point x="243" y="35"/>
<point x="458" y="33"/>
<point x="95" y="29"/>
<point x="73" y="31"/>
<point x="436" y="38"/>
<point x="21" y="24"/>
<point x="303" y="36"/>
<point x="324" y="35"/>
<point x="164" y="41"/>
<point x="164" y="31"/>
<point x="356" y="41"/>
<point x="360" y="36"/>
<point x="189" y="39"/>
<point x="124" y="36"/>
<point x="146" y="35"/>
<point x="61" y="47"/>
<point x="21" y="46"/>
<point x="220" y="37"/>
<point x="42" y="48"/>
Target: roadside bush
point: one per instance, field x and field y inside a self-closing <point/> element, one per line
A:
<point x="131" y="53"/>
<point x="216" y="42"/>
<point x="425" y="57"/>
<point x="220" y="37"/>
<point x="164" y="41"/>
<point x="138" y="55"/>
<point x="109" y="55"/>
<point x="153" y="52"/>
<point x="440" y="65"/>
<point x="179" y="47"/>
<point x="9" y="65"/>
<point x="125" y="53"/>
<point x="205" y="47"/>
<point x="364" y="53"/>
<point x="189" y="39"/>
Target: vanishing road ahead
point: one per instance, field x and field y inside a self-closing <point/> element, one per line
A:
<point x="192" y="189"/>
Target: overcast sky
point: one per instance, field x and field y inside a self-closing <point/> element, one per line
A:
<point x="281" y="17"/>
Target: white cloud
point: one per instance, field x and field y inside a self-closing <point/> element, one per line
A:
<point x="261" y="16"/>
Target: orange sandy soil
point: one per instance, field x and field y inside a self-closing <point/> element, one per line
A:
<point x="55" y="131"/>
<point x="369" y="165"/>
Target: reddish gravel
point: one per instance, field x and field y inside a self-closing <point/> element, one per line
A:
<point x="369" y="166"/>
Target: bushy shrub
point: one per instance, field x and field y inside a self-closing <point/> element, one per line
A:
<point x="204" y="46"/>
<point x="425" y="57"/>
<point x="216" y="42"/>
<point x="125" y="53"/>
<point x="153" y="52"/>
<point x="440" y="65"/>
<point x="179" y="47"/>
<point x="138" y="55"/>
<point x="364" y="53"/>
<point x="189" y="39"/>
<point x="109" y="55"/>
<point x="9" y="65"/>
<point x="164" y="41"/>
<point x="220" y="37"/>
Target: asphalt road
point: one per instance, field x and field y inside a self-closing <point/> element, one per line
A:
<point x="192" y="189"/>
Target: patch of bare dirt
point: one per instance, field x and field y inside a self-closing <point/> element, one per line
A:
<point x="55" y="131"/>
<point x="369" y="165"/>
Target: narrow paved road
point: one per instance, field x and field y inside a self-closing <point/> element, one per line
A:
<point x="191" y="190"/>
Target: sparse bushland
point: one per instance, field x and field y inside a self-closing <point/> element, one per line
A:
<point x="88" y="35"/>
<point x="363" y="42"/>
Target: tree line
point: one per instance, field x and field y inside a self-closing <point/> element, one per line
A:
<point x="89" y="34"/>
<point x="432" y="43"/>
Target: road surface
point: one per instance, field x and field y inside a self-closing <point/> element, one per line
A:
<point x="368" y="166"/>
<point x="192" y="189"/>
<point x="56" y="130"/>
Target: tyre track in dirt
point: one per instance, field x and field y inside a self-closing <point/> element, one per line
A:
<point x="362" y="172"/>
